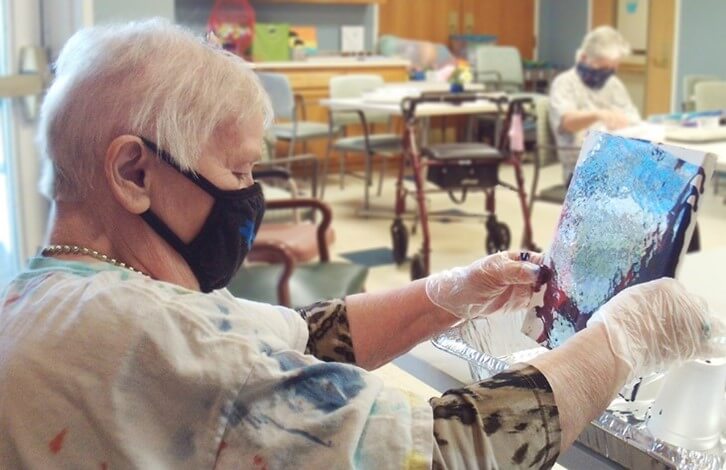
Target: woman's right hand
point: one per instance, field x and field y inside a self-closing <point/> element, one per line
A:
<point x="654" y="324"/>
<point x="501" y="282"/>
<point x="613" y="119"/>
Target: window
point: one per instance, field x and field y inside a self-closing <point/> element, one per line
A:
<point x="9" y="253"/>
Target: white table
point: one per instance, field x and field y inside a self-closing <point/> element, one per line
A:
<point x="430" y="86"/>
<point x="657" y="132"/>
<point x="393" y="108"/>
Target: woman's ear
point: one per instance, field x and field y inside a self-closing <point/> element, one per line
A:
<point x="126" y="168"/>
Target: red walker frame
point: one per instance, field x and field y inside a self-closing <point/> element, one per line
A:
<point x="420" y="266"/>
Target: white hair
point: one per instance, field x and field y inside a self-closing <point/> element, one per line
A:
<point x="149" y="78"/>
<point x="603" y="42"/>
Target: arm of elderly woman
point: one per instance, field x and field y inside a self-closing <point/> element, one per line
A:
<point x="401" y="319"/>
<point x="515" y="413"/>
<point x="530" y="413"/>
<point x="527" y="415"/>
<point x="371" y="329"/>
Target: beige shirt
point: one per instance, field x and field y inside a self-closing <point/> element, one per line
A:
<point x="102" y="368"/>
<point x="569" y="93"/>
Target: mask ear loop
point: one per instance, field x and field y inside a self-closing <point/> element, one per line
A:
<point x="195" y="178"/>
<point x="165" y="232"/>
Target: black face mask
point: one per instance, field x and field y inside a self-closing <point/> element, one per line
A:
<point x="217" y="252"/>
<point x="592" y="77"/>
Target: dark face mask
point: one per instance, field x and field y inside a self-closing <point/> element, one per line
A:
<point x="217" y="252"/>
<point x="592" y="77"/>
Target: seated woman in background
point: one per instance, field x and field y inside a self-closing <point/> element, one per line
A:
<point x="121" y="348"/>
<point x="589" y="95"/>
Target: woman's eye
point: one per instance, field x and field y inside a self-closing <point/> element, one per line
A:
<point x="243" y="177"/>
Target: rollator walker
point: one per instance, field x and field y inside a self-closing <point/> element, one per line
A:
<point x="469" y="166"/>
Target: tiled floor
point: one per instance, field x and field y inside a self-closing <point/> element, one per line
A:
<point x="458" y="243"/>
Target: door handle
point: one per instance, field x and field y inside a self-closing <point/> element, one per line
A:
<point x="16" y="86"/>
<point x="30" y="82"/>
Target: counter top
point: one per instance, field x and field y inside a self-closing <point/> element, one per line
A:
<point x="332" y="62"/>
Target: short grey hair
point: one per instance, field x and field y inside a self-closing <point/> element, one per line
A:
<point x="603" y="42"/>
<point x="148" y="78"/>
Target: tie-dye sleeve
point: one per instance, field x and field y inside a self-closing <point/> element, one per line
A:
<point x="328" y="331"/>
<point x="507" y="421"/>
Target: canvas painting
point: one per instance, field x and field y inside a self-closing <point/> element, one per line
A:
<point x="627" y="218"/>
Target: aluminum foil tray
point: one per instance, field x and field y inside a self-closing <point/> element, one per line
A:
<point x="619" y="434"/>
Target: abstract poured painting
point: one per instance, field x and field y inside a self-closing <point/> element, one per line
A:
<point x="627" y="218"/>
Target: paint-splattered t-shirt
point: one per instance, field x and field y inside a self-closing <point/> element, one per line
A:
<point x="104" y="368"/>
<point x="568" y="93"/>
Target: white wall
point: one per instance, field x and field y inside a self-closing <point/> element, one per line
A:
<point x="62" y="18"/>
<point x="106" y="11"/>
<point x="700" y="42"/>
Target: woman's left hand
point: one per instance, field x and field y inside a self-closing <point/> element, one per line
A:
<point x="503" y="281"/>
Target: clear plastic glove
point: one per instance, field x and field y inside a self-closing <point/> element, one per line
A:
<point x="613" y="119"/>
<point x="502" y="281"/>
<point x="653" y="325"/>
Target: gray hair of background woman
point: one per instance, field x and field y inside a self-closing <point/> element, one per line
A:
<point x="603" y="42"/>
<point x="148" y="78"/>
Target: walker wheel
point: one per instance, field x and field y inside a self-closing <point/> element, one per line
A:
<point x="399" y="238"/>
<point x="499" y="238"/>
<point x="418" y="270"/>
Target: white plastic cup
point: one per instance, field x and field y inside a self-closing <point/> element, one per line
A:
<point x="688" y="410"/>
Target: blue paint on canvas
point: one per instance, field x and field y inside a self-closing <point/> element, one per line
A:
<point x="624" y="221"/>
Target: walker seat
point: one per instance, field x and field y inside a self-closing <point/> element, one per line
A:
<point x="463" y="165"/>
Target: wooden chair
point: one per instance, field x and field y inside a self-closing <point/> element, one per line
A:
<point x="278" y="278"/>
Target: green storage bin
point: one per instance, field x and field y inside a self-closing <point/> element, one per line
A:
<point x="271" y="42"/>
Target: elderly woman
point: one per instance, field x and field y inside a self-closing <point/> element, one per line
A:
<point x="120" y="347"/>
<point x="589" y="95"/>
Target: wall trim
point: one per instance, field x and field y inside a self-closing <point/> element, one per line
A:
<point x="589" y="15"/>
<point x="675" y="106"/>
<point x="535" y="52"/>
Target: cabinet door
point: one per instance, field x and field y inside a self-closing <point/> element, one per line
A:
<point x="427" y="20"/>
<point x="661" y="24"/>
<point x="603" y="12"/>
<point x="511" y="21"/>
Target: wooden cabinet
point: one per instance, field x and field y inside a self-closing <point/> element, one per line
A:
<point x="661" y="33"/>
<point x="331" y="2"/>
<point x="425" y="20"/>
<point x="603" y="12"/>
<point x="512" y="21"/>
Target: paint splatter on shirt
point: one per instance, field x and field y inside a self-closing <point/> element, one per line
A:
<point x="104" y="368"/>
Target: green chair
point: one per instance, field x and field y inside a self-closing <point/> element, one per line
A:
<point x="385" y="145"/>
<point x="287" y="106"/>
<point x="545" y="153"/>
<point x="289" y="283"/>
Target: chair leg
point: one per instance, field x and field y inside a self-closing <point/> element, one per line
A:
<point x="291" y="149"/>
<point x="367" y="179"/>
<point x="324" y="181"/>
<point x="716" y="182"/>
<point x="381" y="175"/>
<point x="341" y="168"/>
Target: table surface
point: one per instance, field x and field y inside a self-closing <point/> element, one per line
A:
<point x="657" y="132"/>
<point x="319" y="63"/>
<point x="393" y="108"/>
